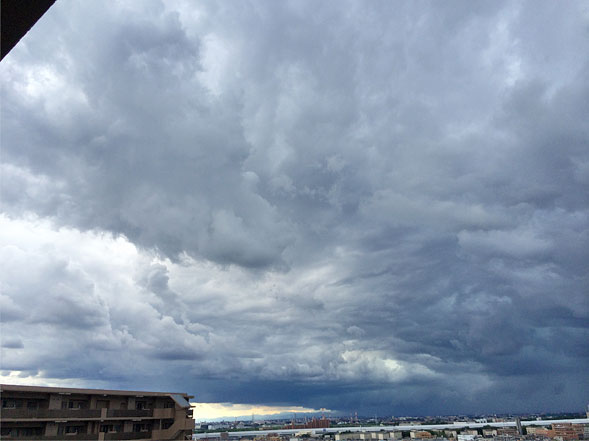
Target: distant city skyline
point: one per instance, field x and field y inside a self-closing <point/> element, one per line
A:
<point x="379" y="207"/>
<point x="230" y="412"/>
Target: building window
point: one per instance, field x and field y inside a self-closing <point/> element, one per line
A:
<point x="29" y="431"/>
<point x="32" y="405"/>
<point x="102" y="404"/>
<point x="74" y="429"/>
<point x="105" y="428"/>
<point x="166" y="424"/>
<point x="8" y="404"/>
<point x="141" y="427"/>
<point x="140" y="405"/>
<point x="73" y="404"/>
<point x="11" y="404"/>
<point x="168" y="405"/>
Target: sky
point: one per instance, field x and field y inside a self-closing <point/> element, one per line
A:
<point x="379" y="207"/>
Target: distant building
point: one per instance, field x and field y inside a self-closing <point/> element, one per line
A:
<point x="539" y="431"/>
<point x="566" y="431"/>
<point x="380" y="435"/>
<point x="315" y="423"/>
<point x="55" y="413"/>
<point x="509" y="431"/>
<point x="347" y="436"/>
<point x="421" y="434"/>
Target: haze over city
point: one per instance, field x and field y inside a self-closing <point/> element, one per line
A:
<point x="281" y="206"/>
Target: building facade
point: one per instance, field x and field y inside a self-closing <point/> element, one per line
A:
<point x="51" y="413"/>
<point x="566" y="431"/>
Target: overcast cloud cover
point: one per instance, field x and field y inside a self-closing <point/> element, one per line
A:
<point x="376" y="206"/>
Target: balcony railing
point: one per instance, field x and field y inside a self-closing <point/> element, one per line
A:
<point x="164" y="413"/>
<point x="127" y="435"/>
<point x="86" y="436"/>
<point x="70" y="414"/>
<point x="69" y="436"/>
<point x="129" y="413"/>
<point x="73" y="436"/>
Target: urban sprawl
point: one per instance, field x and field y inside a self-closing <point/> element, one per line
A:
<point x="559" y="427"/>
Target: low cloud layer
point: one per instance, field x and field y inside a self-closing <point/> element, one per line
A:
<point x="378" y="207"/>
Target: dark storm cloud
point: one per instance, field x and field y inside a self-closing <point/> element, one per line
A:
<point x="12" y="343"/>
<point x="377" y="207"/>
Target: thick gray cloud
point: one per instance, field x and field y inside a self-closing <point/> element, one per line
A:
<point x="381" y="207"/>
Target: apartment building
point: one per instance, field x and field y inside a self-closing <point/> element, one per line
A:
<point x="566" y="431"/>
<point x="55" y="413"/>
